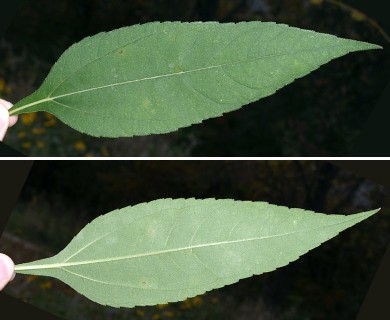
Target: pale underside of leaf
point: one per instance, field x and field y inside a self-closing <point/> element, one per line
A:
<point x="167" y="250"/>
<point x="158" y="77"/>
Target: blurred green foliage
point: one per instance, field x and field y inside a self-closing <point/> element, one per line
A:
<point x="330" y="282"/>
<point x="320" y="114"/>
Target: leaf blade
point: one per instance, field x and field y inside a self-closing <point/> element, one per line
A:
<point x="170" y="249"/>
<point x="159" y="77"/>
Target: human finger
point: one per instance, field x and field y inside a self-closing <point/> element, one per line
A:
<point x="7" y="270"/>
<point x="8" y="105"/>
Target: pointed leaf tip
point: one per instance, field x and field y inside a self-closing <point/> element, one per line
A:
<point x="159" y="77"/>
<point x="170" y="249"/>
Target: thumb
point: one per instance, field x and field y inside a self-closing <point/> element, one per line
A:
<point x="8" y="105"/>
<point x="7" y="272"/>
<point x="4" y="120"/>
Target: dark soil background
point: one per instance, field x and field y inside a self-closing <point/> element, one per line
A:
<point x="329" y="282"/>
<point x="321" y="114"/>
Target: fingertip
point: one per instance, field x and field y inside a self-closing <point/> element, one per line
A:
<point x="8" y="105"/>
<point x="4" y="120"/>
<point x="7" y="270"/>
<point x="12" y="120"/>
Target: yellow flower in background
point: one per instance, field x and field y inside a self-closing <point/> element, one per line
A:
<point x="186" y="304"/>
<point x="28" y="118"/>
<point x="40" y="144"/>
<point x="89" y="154"/>
<point x="161" y="306"/>
<point x="50" y="123"/>
<point x="104" y="152"/>
<point x="26" y="145"/>
<point x="22" y="134"/>
<point x="48" y="116"/>
<point x="38" y="131"/>
<point x="50" y="120"/>
<point x="79" y="145"/>
<point x="156" y="317"/>
<point x="2" y="84"/>
<point x="169" y="314"/>
<point x="316" y="2"/>
<point x="46" y="285"/>
<point x="31" y="278"/>
<point x="139" y="312"/>
<point x="197" y="301"/>
<point x="214" y="300"/>
<point x="189" y="303"/>
<point x="4" y="88"/>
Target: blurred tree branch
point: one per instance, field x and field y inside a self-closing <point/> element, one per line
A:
<point x="359" y="16"/>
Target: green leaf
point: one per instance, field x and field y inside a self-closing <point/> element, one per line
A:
<point x="158" y="77"/>
<point x="170" y="249"/>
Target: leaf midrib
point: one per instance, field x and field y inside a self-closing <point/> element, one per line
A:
<point x="13" y="111"/>
<point x="135" y="256"/>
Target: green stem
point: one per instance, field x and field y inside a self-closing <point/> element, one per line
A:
<point x="14" y="111"/>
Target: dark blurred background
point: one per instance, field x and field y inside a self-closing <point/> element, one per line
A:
<point x="330" y="282"/>
<point x="321" y="114"/>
